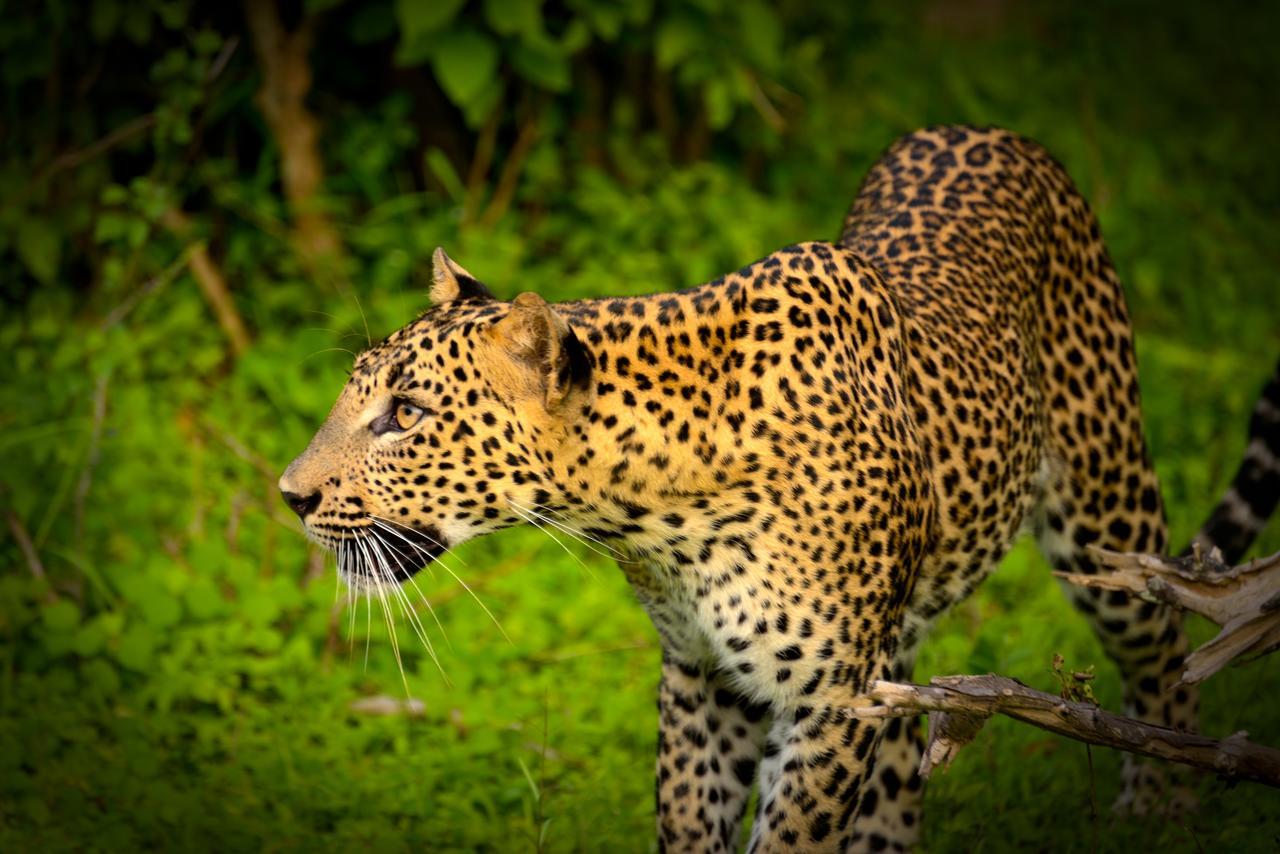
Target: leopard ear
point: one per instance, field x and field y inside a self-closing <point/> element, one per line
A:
<point x="539" y="338"/>
<point x="449" y="281"/>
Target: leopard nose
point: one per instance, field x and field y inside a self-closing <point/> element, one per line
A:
<point x="301" y="504"/>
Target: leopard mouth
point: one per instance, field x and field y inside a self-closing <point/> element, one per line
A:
<point x="382" y="552"/>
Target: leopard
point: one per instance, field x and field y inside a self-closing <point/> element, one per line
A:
<point x="800" y="467"/>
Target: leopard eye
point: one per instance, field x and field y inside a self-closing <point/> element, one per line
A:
<point x="402" y="416"/>
<point x="406" y="415"/>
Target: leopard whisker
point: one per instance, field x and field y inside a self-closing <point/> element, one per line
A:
<point x="578" y="535"/>
<point x="533" y="521"/>
<point x="400" y="525"/>
<point x="383" y="522"/>
<point x="328" y="350"/>
<point x="550" y="515"/>
<point x="376" y="573"/>
<point x="377" y="544"/>
<point x="392" y="547"/>
<point x="368" y="628"/>
<point x="413" y="581"/>
<point x="353" y="603"/>
<point x="458" y="579"/>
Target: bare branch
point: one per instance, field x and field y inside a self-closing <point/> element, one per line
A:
<point x="959" y="705"/>
<point x="764" y="106"/>
<point x="125" y="132"/>
<point x="23" y="540"/>
<point x="1243" y="600"/>
<point x="156" y="283"/>
<point x="284" y="59"/>
<point x="509" y="178"/>
<point x="85" y="482"/>
<point x="481" y="160"/>
<point x="213" y="285"/>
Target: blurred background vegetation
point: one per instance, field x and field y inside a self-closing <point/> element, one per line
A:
<point x="205" y="209"/>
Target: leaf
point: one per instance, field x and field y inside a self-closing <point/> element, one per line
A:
<point x="100" y="675"/>
<point x="40" y="248"/>
<point x="258" y="608"/>
<point x="136" y="648"/>
<point x="104" y="18"/>
<point x="483" y="105"/>
<point x="422" y="17"/>
<point x="438" y="164"/>
<point x="720" y="102"/>
<point x="537" y="796"/>
<point x="137" y="24"/>
<point x="514" y="17"/>
<point x="605" y="18"/>
<point x="676" y="38"/>
<point x="61" y="617"/>
<point x="159" y="607"/>
<point x="90" y="638"/>
<point x="465" y="63"/>
<point x="575" y="37"/>
<point x="543" y="64"/>
<point x="761" y="34"/>
<point x="372" y="24"/>
<point x="422" y="27"/>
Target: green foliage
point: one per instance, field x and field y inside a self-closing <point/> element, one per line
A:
<point x="180" y="675"/>
<point x="1073" y="684"/>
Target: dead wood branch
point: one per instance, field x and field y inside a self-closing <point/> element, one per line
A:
<point x="23" y="539"/>
<point x="958" y="706"/>
<point x="85" y="482"/>
<point x="286" y="80"/>
<point x="156" y="283"/>
<point x="125" y="132"/>
<point x="1243" y="600"/>
<point x="481" y="159"/>
<point x="509" y="178"/>
<point x="213" y="285"/>
<point x="383" y="706"/>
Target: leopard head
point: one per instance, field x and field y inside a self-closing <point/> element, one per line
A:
<point x="446" y="430"/>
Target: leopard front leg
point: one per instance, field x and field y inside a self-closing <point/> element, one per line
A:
<point x="818" y="770"/>
<point x="891" y="815"/>
<point x="709" y="742"/>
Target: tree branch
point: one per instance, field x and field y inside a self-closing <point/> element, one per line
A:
<point x="286" y="79"/>
<point x="213" y="285"/>
<point x="85" y="482"/>
<point x="958" y="706"/>
<point x="1243" y="600"/>
<point x="23" y="539"/>
<point x="509" y="178"/>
